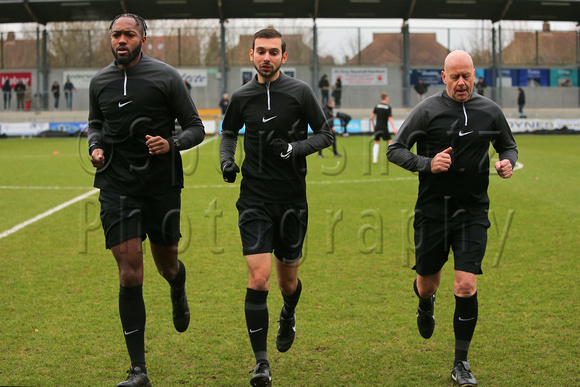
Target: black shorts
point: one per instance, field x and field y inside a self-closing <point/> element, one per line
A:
<point x="127" y="217"/>
<point x="384" y="134"/>
<point x="277" y="227"/>
<point x="434" y="238"/>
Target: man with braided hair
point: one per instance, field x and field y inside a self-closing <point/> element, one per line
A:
<point x="134" y="103"/>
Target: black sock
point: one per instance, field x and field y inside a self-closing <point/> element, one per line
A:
<point x="256" y="308"/>
<point x="290" y="301"/>
<point x="178" y="283"/>
<point x="464" y="321"/>
<point x="132" y="312"/>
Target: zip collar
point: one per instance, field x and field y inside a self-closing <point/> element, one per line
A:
<point x="268" y="85"/>
<point x="124" y="69"/>
<point x="452" y="102"/>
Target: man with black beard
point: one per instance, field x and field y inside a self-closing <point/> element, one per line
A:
<point x="276" y="111"/>
<point x="134" y="103"/>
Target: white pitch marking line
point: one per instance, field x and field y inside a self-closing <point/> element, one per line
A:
<point x="20" y="226"/>
<point x="47" y="213"/>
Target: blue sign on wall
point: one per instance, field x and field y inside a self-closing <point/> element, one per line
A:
<point x="431" y="77"/>
<point x="534" y="77"/>
<point x="519" y="77"/>
<point x="563" y="78"/>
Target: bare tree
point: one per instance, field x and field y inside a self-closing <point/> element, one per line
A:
<point x="78" y="44"/>
<point x="212" y="54"/>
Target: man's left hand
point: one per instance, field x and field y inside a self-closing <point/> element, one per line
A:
<point x="157" y="145"/>
<point x="504" y="168"/>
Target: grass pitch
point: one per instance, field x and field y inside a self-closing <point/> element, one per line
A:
<point x="356" y="319"/>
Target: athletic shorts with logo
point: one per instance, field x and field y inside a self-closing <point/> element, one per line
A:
<point x="435" y="238"/>
<point x="126" y="217"/>
<point x="273" y="227"/>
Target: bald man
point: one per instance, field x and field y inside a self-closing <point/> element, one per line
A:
<point x="453" y="130"/>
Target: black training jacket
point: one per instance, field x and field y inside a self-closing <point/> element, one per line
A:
<point x="283" y="109"/>
<point x="125" y="106"/>
<point x="440" y="122"/>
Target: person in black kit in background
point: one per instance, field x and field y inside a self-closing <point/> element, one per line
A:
<point x="384" y="115"/>
<point x="329" y="114"/>
<point x="273" y="212"/>
<point x="452" y="130"/>
<point x="132" y="142"/>
<point x="324" y="86"/>
<point x="344" y="120"/>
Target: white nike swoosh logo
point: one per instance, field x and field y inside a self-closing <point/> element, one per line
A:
<point x="264" y="119"/>
<point x="123" y="104"/>
<point x="257" y="330"/>
<point x="466" y="319"/>
<point x="461" y="133"/>
<point x="128" y="333"/>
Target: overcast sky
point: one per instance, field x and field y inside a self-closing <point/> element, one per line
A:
<point x="340" y="37"/>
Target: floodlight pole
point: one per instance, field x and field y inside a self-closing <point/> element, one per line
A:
<point x="500" y="60"/>
<point x="224" y="80"/>
<point x="406" y="65"/>
<point x="315" y="58"/>
<point x="37" y="100"/>
<point x="44" y="69"/>
<point x="493" y="66"/>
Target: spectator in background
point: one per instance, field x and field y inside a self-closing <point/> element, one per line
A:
<point x="55" y="93"/>
<point x="337" y="92"/>
<point x="421" y="89"/>
<point x="7" y="91"/>
<point x="27" y="97"/>
<point x="68" y="93"/>
<point x="324" y="86"/>
<point x="480" y="86"/>
<point x="224" y="102"/>
<point x="521" y="102"/>
<point x="20" y="89"/>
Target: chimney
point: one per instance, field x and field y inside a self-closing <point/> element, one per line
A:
<point x="546" y="26"/>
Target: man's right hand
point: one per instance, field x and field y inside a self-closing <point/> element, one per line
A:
<point x="442" y="161"/>
<point x="98" y="158"/>
<point x="230" y="169"/>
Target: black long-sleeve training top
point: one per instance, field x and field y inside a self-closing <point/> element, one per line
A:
<point x="440" y="122"/>
<point x="125" y="106"/>
<point x="281" y="109"/>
